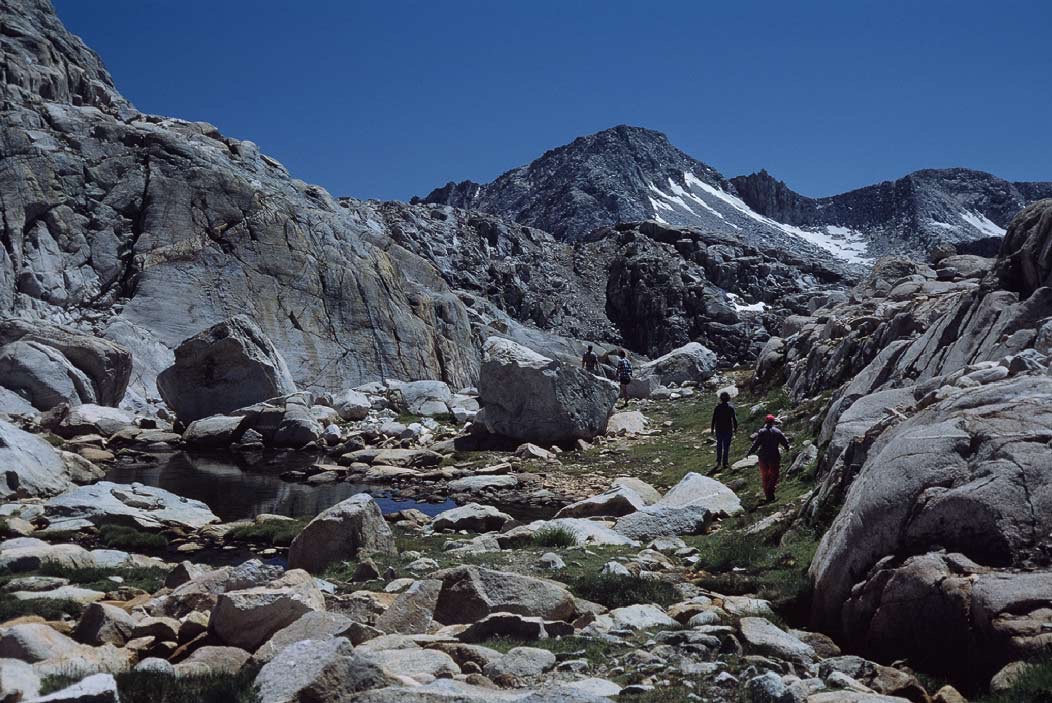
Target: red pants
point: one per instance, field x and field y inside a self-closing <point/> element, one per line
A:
<point x="769" y="470"/>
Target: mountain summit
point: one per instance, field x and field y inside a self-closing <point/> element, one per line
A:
<point x="594" y="181"/>
<point x="631" y="173"/>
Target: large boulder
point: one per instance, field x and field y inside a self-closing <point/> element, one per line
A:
<point x="31" y="467"/>
<point x="312" y="625"/>
<point x="614" y="502"/>
<point x="472" y="517"/>
<point x="968" y="474"/>
<point x="470" y="593"/>
<point x="691" y="362"/>
<point x="531" y="398"/>
<point x="49" y="365"/>
<point x="352" y="405"/>
<point x="43" y="375"/>
<point x="228" y="366"/>
<point x="318" y="671"/>
<point x="248" y="618"/>
<point x="347" y="529"/>
<point x="134" y="505"/>
<point x="425" y="398"/>
<point x="686" y="509"/>
<point x="94" y="419"/>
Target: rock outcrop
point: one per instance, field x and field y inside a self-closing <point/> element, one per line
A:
<point x="31" y="467"/>
<point x="936" y="474"/>
<point x="48" y="365"/>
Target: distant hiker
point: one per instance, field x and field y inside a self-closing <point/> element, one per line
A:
<point x="767" y="442"/>
<point x="590" y="361"/>
<point x="624" y="373"/>
<point x="724" y="425"/>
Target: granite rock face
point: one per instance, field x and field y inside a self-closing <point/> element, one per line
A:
<point x="150" y="230"/>
<point x="935" y="473"/>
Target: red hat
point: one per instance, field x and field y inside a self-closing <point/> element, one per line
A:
<point x="772" y="418"/>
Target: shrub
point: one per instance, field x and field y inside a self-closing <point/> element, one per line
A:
<point x="617" y="591"/>
<point x="1034" y="685"/>
<point x="554" y="537"/>
<point x="726" y="551"/>
<point x="277" y="533"/>
<point x="131" y="539"/>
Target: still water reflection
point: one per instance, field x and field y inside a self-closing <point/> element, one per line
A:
<point x="235" y="488"/>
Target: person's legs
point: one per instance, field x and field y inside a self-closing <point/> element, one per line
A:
<point x="723" y="448"/>
<point x="769" y="469"/>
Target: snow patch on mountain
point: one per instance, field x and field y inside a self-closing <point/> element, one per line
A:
<point x="983" y="224"/>
<point x="842" y="242"/>
<point x="736" y="301"/>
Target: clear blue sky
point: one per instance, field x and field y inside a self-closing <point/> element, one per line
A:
<point x="388" y="99"/>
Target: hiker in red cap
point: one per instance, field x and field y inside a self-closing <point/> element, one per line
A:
<point x="766" y="447"/>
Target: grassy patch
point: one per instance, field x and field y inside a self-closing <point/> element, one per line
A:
<point x="149" y="580"/>
<point x="277" y="533"/>
<point x="615" y="591"/>
<point x="131" y="539"/>
<point x="47" y="608"/>
<point x="1032" y="686"/>
<point x="594" y="650"/>
<point x="554" y="537"/>
<point x="773" y="568"/>
<point x="147" y="687"/>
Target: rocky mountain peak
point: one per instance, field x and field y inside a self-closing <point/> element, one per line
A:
<point x="597" y="180"/>
<point x="41" y="60"/>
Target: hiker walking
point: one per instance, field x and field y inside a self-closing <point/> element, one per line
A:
<point x="624" y="373"/>
<point x="590" y="361"/>
<point x="766" y="447"/>
<point x="724" y="425"/>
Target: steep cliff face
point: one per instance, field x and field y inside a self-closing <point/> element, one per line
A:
<point x="147" y="230"/>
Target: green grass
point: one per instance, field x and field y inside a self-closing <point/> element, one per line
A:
<point x="277" y="533"/>
<point x="47" y="608"/>
<point x="1032" y="686"/>
<point x="596" y="651"/>
<point x="615" y="591"/>
<point x="554" y="537"/>
<point x="149" y="580"/>
<point x="131" y="539"/>
<point x="773" y="566"/>
<point x="146" y="579"/>
<point x="147" y="687"/>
